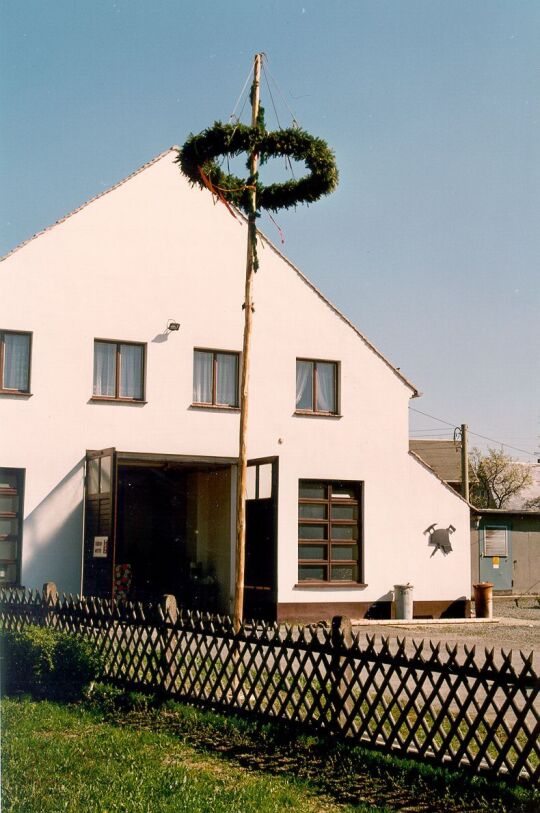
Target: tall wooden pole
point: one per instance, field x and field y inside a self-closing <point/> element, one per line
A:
<point x="238" y="611"/>
<point x="464" y="462"/>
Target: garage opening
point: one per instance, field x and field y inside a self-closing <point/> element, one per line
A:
<point x="158" y="525"/>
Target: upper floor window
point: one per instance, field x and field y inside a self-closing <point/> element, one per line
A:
<point x="119" y="370"/>
<point x="316" y="386"/>
<point x="215" y="378"/>
<point x="15" y="361"/>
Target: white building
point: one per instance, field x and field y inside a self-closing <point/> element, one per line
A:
<point x="95" y="390"/>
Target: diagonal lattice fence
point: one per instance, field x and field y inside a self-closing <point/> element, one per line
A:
<point x="457" y="705"/>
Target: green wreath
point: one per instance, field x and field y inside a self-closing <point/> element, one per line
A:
<point x="197" y="162"/>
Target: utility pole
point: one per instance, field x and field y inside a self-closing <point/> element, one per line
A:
<point x="238" y="610"/>
<point x="464" y="463"/>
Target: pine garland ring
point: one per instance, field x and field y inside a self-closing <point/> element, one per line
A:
<point x="197" y="160"/>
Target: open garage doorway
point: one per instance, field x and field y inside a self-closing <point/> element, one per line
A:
<point x="158" y="524"/>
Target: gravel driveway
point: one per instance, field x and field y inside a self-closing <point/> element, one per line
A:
<point x="516" y="626"/>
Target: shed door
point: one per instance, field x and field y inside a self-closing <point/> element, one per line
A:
<point x="100" y="523"/>
<point x="496" y="556"/>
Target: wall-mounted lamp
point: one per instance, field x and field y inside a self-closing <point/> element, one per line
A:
<point x="173" y="326"/>
<point x="3" y="572"/>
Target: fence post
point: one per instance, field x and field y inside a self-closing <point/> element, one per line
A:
<point x="169" y="608"/>
<point x="340" y="674"/>
<point x="50" y="597"/>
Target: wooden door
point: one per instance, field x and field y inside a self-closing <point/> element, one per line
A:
<point x="100" y="523"/>
<point x="260" y="588"/>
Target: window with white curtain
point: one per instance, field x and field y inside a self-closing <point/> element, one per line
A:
<point x="14" y="361"/>
<point x="215" y="378"/>
<point x="118" y="370"/>
<point x="316" y="386"/>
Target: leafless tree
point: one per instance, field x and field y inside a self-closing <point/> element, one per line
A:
<point x="532" y="505"/>
<point x="495" y="478"/>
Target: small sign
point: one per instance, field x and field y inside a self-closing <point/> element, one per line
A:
<point x="496" y="561"/>
<point x="100" y="547"/>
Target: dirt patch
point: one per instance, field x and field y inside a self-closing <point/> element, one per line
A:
<point x="336" y="774"/>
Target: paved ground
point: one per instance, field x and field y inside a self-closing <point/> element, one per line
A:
<point x="516" y="626"/>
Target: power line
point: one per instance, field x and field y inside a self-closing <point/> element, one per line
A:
<point x="500" y="442"/>
<point x="431" y="432"/>
<point x="476" y="434"/>
<point x="453" y="425"/>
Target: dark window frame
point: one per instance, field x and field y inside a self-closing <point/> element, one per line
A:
<point x="117" y="397"/>
<point x="17" y="539"/>
<point x="314" y="410"/>
<point x="328" y="502"/>
<point x="214" y="402"/>
<point x="7" y="390"/>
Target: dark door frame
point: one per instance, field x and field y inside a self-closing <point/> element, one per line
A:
<point x="272" y="599"/>
<point x="100" y="514"/>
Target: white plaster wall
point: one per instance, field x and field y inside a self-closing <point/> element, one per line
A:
<point x="154" y="249"/>
<point x="53" y="526"/>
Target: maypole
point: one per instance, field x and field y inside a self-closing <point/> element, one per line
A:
<point x="238" y="609"/>
<point x="197" y="162"/>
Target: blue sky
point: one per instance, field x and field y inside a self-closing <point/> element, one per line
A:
<point x="431" y="244"/>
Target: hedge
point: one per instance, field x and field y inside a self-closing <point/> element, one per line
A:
<point x="47" y="663"/>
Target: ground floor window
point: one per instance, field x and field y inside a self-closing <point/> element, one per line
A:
<point x="329" y="531"/>
<point x="11" y="519"/>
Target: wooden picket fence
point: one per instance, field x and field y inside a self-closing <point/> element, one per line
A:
<point x="455" y="705"/>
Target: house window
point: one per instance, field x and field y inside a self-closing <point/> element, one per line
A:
<point x="328" y="531"/>
<point x="495" y="541"/>
<point x="215" y="378"/>
<point x="11" y="518"/>
<point x="119" y="370"/>
<point x="15" y="361"/>
<point x="99" y="475"/>
<point x="259" y="481"/>
<point x="316" y="386"/>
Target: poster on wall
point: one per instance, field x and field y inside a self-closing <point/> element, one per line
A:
<point x="100" y="547"/>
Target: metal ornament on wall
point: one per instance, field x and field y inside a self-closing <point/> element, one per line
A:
<point x="439" y="538"/>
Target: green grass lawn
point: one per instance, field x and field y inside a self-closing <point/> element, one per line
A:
<point x="176" y="758"/>
<point x="64" y="758"/>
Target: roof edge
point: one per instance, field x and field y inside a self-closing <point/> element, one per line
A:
<point x="415" y="392"/>
<point x="89" y="201"/>
<point x="445" y="484"/>
<point x="513" y="511"/>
